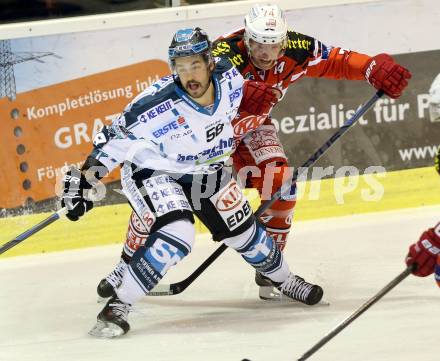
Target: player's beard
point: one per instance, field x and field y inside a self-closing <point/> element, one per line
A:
<point x="196" y="89"/>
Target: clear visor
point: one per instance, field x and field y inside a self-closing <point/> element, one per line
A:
<point x="187" y="68"/>
<point x="187" y="64"/>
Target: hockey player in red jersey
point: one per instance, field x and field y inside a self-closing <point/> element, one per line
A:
<point x="426" y="251"/>
<point x="265" y="50"/>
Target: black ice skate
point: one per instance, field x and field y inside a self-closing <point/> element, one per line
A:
<point x="300" y="290"/>
<point x="112" y="320"/>
<point x="107" y="285"/>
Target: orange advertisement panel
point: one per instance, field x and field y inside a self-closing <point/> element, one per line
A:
<point x="46" y="130"/>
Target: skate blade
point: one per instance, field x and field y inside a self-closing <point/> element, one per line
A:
<point x="271" y="294"/>
<point x="106" y="330"/>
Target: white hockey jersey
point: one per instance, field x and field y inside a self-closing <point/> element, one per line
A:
<point x="164" y="129"/>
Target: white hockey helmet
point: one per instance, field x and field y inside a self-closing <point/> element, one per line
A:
<point x="265" y="24"/>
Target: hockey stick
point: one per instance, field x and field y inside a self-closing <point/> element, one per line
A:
<point x="33" y="230"/>
<point x="358" y="312"/>
<point x="176" y="288"/>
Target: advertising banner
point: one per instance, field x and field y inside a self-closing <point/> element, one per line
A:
<point x="46" y="130"/>
<point x="57" y="91"/>
<point x="394" y="134"/>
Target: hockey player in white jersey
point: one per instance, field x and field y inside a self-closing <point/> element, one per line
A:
<point x="173" y="140"/>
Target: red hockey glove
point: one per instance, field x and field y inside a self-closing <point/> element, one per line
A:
<point x="425" y="252"/>
<point x="385" y="74"/>
<point x="258" y="98"/>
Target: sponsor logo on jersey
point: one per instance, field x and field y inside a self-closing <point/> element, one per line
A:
<point x="299" y="44"/>
<point x="232" y="73"/>
<point x="181" y="135"/>
<point x="165" y="129"/>
<point x="245" y="125"/>
<point x="240" y="216"/>
<point x="221" y="149"/>
<point x="236" y="60"/>
<point x="221" y="48"/>
<point x="232" y="205"/>
<point x="265" y="153"/>
<point x="182" y="122"/>
<point x="173" y="125"/>
<point x="155" y="111"/>
<point x="229" y="198"/>
<point x="234" y="95"/>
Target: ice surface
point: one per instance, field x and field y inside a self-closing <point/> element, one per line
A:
<point x="48" y="302"/>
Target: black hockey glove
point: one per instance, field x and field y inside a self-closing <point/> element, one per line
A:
<point x="75" y="183"/>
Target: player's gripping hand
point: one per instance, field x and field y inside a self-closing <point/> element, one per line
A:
<point x="425" y="252"/>
<point x="74" y="183"/>
<point x="385" y="74"/>
<point x="258" y="98"/>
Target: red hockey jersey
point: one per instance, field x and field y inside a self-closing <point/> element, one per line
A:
<point x="304" y="56"/>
